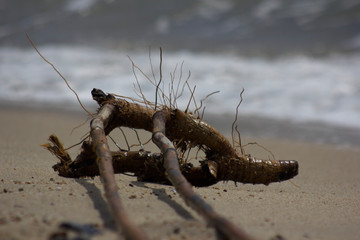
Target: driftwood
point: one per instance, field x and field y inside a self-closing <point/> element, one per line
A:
<point x="173" y="131"/>
<point x="222" y="163"/>
<point x="149" y="167"/>
<point x="169" y="126"/>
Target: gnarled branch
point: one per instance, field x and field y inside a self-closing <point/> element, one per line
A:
<point x="149" y="167"/>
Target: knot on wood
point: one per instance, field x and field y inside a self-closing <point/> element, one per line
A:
<point x="100" y="97"/>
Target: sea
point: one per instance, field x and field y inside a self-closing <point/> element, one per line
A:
<point x="291" y="65"/>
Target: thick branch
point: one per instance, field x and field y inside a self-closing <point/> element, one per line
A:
<point x="184" y="126"/>
<point x="106" y="170"/>
<point x="183" y="187"/>
<point x="149" y="167"/>
<point x="181" y="126"/>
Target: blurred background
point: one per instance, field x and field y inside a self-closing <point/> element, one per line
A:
<point x="298" y="61"/>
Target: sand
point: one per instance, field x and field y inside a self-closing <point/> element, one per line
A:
<point x="322" y="202"/>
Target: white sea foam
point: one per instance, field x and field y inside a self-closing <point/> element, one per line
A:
<point x="79" y="5"/>
<point x="298" y="88"/>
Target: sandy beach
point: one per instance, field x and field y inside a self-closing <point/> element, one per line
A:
<point x="294" y="63"/>
<point x="322" y="202"/>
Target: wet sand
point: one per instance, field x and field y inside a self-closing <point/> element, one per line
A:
<point x="322" y="202"/>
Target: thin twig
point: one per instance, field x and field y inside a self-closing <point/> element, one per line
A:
<point x="117" y="145"/>
<point x="239" y="137"/>
<point x="261" y="146"/>
<point x="126" y="141"/>
<point x="138" y="84"/>
<point x="203" y="112"/>
<point x="157" y="86"/>
<point x="172" y="90"/>
<point x="151" y="66"/>
<point x="202" y="100"/>
<point x="76" y="144"/>
<point x="138" y="138"/>
<point x="236" y="117"/>
<point x="180" y="79"/>
<point x="191" y="97"/>
<point x="183" y="87"/>
<point x="52" y="65"/>
<point x="80" y="125"/>
<point x="141" y="144"/>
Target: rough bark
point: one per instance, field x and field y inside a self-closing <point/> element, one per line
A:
<point x="104" y="161"/>
<point x="183" y="187"/>
<point x="182" y="126"/>
<point x="149" y="167"/>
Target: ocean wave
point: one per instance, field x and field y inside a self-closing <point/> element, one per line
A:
<point x="298" y="88"/>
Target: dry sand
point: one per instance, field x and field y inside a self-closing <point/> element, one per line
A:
<point x="322" y="202"/>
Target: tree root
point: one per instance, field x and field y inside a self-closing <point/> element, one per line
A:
<point x="148" y="167"/>
<point x="168" y="126"/>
